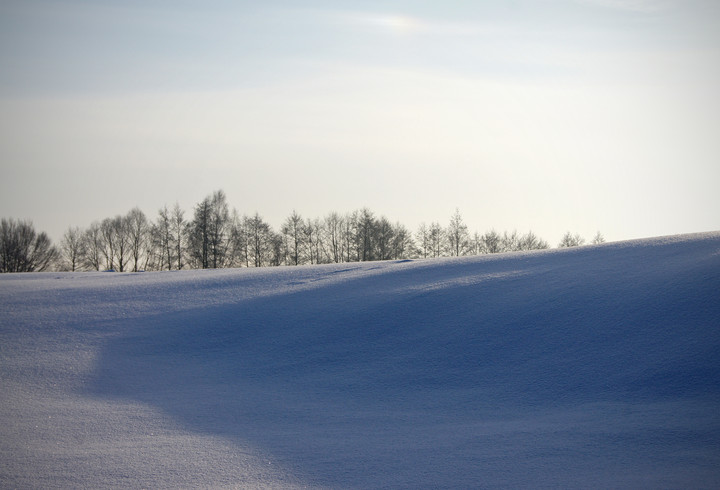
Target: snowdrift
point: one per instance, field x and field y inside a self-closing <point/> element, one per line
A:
<point x="596" y="366"/>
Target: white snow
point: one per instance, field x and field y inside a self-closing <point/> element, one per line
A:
<point x="589" y="367"/>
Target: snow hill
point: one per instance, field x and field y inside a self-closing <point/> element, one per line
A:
<point x="591" y="367"/>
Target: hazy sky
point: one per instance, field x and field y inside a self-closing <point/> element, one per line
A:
<point x="549" y="115"/>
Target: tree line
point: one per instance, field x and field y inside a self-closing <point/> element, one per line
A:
<point x="217" y="237"/>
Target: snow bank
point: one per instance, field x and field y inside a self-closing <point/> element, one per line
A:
<point x="586" y="367"/>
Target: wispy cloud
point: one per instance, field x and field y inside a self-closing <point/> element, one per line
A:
<point x="631" y="5"/>
<point x="401" y="23"/>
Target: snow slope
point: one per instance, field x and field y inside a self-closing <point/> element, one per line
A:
<point x="590" y="367"/>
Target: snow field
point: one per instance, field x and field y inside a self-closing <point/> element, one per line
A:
<point x="586" y="367"/>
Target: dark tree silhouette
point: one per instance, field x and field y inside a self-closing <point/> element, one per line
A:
<point x="217" y="237"/>
<point x="260" y="237"/>
<point x="294" y="235"/>
<point x="437" y="236"/>
<point x="72" y="248"/>
<point x="365" y="234"/>
<point x="178" y="228"/>
<point x="161" y="238"/>
<point x="333" y="228"/>
<point x="219" y="229"/>
<point x="22" y="249"/>
<point x="93" y="246"/>
<point x="209" y="231"/>
<point x="138" y="231"/>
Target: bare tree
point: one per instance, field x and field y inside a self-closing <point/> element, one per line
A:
<point x="93" y="246"/>
<point x="530" y="241"/>
<point x="476" y="244"/>
<point x="491" y="242"/>
<point x="178" y="228"/>
<point x="333" y="227"/>
<point x="510" y="242"/>
<point x="218" y="228"/>
<point x="239" y="246"/>
<point x="115" y="242"/>
<point x="349" y="237"/>
<point x="423" y="240"/>
<point x="365" y="235"/>
<point x="259" y="236"/>
<point x="123" y="243"/>
<point x="199" y="234"/>
<point x="403" y="245"/>
<point x="383" y="239"/>
<point x="22" y="249"/>
<point x="313" y="240"/>
<point x="457" y="234"/>
<point x="233" y="254"/>
<point x="161" y="238"/>
<point x="72" y="248"/>
<point x="598" y="239"/>
<point x="277" y="249"/>
<point x="138" y="231"/>
<point x="436" y="236"/>
<point x="570" y="240"/>
<point x="294" y="235"/>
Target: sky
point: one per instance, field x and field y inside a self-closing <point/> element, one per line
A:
<point x="544" y="115"/>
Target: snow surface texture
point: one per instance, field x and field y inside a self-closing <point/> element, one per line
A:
<point x="588" y="367"/>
